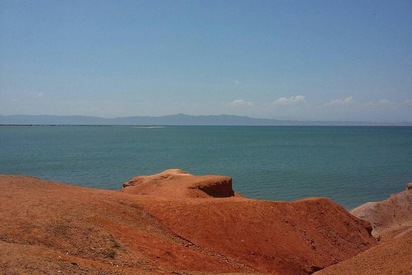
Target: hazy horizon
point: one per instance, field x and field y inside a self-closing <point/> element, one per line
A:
<point x="285" y="60"/>
<point x="182" y="119"/>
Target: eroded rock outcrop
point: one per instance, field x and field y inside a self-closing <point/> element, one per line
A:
<point x="390" y="218"/>
<point x="176" y="183"/>
<point x="48" y="227"/>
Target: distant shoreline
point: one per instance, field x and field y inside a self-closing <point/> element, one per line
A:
<point x="175" y="120"/>
<point x="156" y="126"/>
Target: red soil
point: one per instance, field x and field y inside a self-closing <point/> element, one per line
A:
<point x="392" y="224"/>
<point x="394" y="257"/>
<point x="50" y="227"/>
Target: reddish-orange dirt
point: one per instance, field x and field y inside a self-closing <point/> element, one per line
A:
<point x="392" y="224"/>
<point x="391" y="257"/>
<point x="54" y="228"/>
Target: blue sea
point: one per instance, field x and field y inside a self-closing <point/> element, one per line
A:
<point x="350" y="165"/>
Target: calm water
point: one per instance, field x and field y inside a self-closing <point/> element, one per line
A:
<point x="350" y="165"/>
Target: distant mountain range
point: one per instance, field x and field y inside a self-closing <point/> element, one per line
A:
<point x="179" y="119"/>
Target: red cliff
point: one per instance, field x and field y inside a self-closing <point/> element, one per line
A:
<point x="171" y="222"/>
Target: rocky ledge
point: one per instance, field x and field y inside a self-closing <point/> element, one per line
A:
<point x="176" y="183"/>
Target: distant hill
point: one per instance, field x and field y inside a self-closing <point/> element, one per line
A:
<point x="178" y="119"/>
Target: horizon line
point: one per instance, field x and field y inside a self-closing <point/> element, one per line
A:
<point x="274" y="120"/>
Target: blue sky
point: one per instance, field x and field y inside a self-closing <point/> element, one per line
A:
<point x="305" y="60"/>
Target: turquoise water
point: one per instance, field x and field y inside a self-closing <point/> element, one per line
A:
<point x="350" y="165"/>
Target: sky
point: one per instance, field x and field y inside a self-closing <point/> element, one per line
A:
<point x="299" y="60"/>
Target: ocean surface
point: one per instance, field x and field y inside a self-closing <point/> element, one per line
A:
<point x="350" y="165"/>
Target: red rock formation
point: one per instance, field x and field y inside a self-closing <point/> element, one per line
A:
<point x="49" y="227"/>
<point x="176" y="183"/>
<point x="389" y="218"/>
